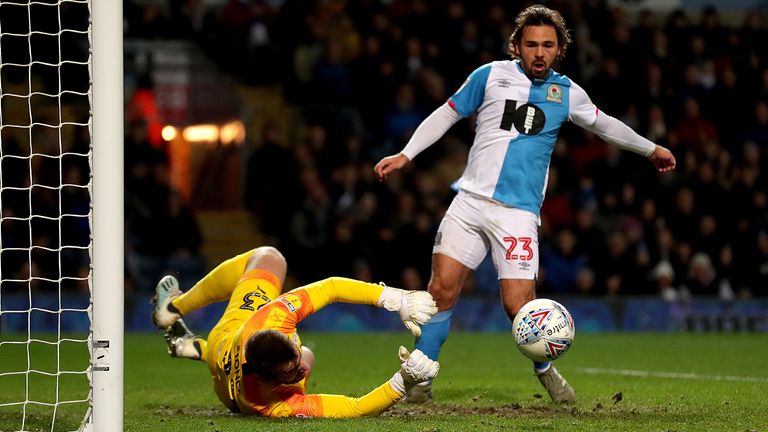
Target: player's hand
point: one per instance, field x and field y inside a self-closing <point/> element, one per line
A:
<point x="389" y="164"/>
<point x="415" y="307"/>
<point x="415" y="367"/>
<point x="663" y="159"/>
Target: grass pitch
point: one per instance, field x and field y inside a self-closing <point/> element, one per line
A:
<point x="624" y="382"/>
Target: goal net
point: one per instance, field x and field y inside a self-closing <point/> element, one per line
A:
<point x="60" y="156"/>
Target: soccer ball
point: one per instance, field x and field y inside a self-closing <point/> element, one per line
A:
<point x="543" y="329"/>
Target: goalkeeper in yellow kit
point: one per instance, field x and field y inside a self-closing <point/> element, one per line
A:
<point x="254" y="354"/>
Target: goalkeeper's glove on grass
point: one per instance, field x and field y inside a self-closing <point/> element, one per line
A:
<point x="415" y="368"/>
<point x="415" y="307"/>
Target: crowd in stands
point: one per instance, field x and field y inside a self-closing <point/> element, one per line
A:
<point x="364" y="73"/>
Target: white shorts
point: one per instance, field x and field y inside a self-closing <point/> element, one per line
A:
<point x="474" y="224"/>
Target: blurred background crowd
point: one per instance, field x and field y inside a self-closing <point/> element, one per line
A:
<point x="363" y="74"/>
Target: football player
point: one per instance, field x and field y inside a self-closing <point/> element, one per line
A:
<point x="520" y="105"/>
<point x="254" y="353"/>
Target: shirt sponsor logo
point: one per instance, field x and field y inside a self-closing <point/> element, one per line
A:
<point x="293" y="302"/>
<point x="234" y="383"/>
<point x="555" y="93"/>
<point x="504" y="83"/>
<point x="529" y="119"/>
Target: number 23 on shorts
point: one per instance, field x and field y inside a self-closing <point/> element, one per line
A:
<point x="525" y="246"/>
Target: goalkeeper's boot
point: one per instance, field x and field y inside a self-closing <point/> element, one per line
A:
<point x="182" y="342"/>
<point x="165" y="314"/>
<point x="420" y="393"/>
<point x="557" y="387"/>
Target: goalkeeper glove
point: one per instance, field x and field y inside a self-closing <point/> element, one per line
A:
<point x="415" y="368"/>
<point x="415" y="307"/>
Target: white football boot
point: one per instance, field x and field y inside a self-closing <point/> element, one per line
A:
<point x="182" y="342"/>
<point x="557" y="387"/>
<point x="165" y="314"/>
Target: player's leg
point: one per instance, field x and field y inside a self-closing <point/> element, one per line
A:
<point x="448" y="276"/>
<point x="515" y="252"/>
<point x="171" y="303"/>
<point x="260" y="282"/>
<point x="216" y="286"/>
<point x="515" y="293"/>
<point x="459" y="248"/>
<point x="181" y="342"/>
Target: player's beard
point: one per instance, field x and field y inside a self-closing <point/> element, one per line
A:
<point x="537" y="69"/>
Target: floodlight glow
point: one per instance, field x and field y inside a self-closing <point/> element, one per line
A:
<point x="169" y="133"/>
<point x="201" y="133"/>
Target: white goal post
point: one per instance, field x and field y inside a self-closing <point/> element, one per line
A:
<point x="107" y="255"/>
<point x="61" y="215"/>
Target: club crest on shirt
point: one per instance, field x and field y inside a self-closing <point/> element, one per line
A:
<point x="555" y="93"/>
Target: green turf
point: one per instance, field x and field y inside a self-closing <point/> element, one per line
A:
<point x="484" y="385"/>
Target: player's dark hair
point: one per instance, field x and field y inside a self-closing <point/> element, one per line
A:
<point x="265" y="350"/>
<point x="537" y="15"/>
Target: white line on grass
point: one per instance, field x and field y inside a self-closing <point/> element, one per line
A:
<point x="674" y="375"/>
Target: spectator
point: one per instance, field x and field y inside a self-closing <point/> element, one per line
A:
<point x="561" y="265"/>
<point x="757" y="132"/>
<point x="143" y="109"/>
<point x="663" y="276"/>
<point x="693" y="130"/>
<point x="702" y="279"/>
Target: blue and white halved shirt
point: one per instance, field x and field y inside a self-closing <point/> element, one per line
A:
<point x="518" y="121"/>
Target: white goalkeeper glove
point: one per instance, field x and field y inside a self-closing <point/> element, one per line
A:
<point x="415" y="368"/>
<point x="415" y="307"/>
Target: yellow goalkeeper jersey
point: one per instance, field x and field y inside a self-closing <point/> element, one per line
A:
<point x="247" y="393"/>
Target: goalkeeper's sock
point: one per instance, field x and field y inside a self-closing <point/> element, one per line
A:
<point x="434" y="333"/>
<point x="541" y="367"/>
<point x="216" y="286"/>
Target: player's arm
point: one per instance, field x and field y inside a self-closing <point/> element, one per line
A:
<point x="415" y="368"/>
<point x="428" y="132"/>
<point x="464" y="102"/>
<point x="415" y="307"/>
<point x="585" y="114"/>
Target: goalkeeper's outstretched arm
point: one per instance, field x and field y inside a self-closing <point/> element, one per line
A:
<point x="415" y="307"/>
<point x="415" y="368"/>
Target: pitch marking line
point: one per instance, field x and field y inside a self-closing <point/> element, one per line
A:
<point x="673" y="375"/>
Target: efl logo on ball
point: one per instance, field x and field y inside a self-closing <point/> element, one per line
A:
<point x="543" y="330"/>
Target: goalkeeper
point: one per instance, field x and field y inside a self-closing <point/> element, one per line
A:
<point x="254" y="354"/>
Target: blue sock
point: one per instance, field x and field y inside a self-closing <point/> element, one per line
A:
<point x="434" y="334"/>
<point x="541" y="366"/>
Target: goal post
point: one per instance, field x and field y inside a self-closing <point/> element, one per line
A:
<point x="61" y="215"/>
<point x="107" y="259"/>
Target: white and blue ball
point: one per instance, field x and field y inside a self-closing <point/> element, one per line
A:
<point x="543" y="330"/>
